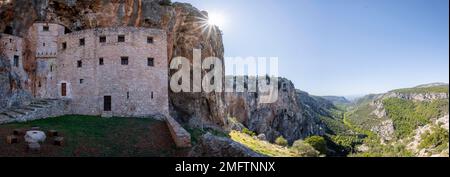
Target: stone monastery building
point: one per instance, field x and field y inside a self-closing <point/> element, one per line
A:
<point x="120" y="71"/>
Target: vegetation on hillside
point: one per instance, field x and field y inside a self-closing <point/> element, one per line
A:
<point x="437" y="138"/>
<point x="378" y="149"/>
<point x="409" y="115"/>
<point x="262" y="147"/>
<point x="434" y="89"/>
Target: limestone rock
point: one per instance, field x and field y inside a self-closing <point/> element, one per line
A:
<point x="35" y="136"/>
<point x="213" y="146"/>
<point x="262" y="137"/>
<point x="295" y="115"/>
<point x="34" y="147"/>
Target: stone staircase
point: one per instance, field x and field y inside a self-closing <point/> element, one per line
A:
<point x="38" y="109"/>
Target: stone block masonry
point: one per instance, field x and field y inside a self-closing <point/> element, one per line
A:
<point x="120" y="72"/>
<point x="181" y="137"/>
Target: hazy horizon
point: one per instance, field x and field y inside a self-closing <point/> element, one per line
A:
<point x="345" y="47"/>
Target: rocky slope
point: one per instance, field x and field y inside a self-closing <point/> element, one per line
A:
<point x="295" y="115"/>
<point x="400" y="117"/>
<point x="12" y="92"/>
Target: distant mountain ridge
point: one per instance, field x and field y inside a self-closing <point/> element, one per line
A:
<point x="337" y="99"/>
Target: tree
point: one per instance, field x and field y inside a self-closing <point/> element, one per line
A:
<point x="281" y="141"/>
<point x="318" y="143"/>
<point x="304" y="149"/>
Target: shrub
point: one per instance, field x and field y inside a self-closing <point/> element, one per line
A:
<point x="347" y="142"/>
<point x="248" y="132"/>
<point x="304" y="149"/>
<point x="318" y="143"/>
<point x="438" y="137"/>
<point x="281" y="141"/>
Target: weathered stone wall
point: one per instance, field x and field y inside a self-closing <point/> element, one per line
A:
<point x="137" y="90"/>
<point x="181" y="137"/>
<point x="46" y="44"/>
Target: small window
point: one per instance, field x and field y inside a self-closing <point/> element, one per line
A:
<point x="16" y="61"/>
<point x="81" y="81"/>
<point x="124" y="60"/>
<point x="79" y="64"/>
<point x="150" y="40"/>
<point x="39" y="84"/>
<point x="45" y="28"/>
<point x="100" y="61"/>
<point x="128" y="95"/>
<point x="82" y="42"/>
<point x="43" y="44"/>
<point x="51" y="68"/>
<point x="150" y="62"/>
<point x="63" y="89"/>
<point x="121" y="38"/>
<point x="151" y="95"/>
<point x="64" y="45"/>
<point x="102" y="39"/>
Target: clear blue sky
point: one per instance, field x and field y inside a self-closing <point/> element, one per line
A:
<point x="341" y="47"/>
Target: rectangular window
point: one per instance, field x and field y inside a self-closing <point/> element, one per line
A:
<point x="102" y="39"/>
<point x="82" y="42"/>
<point x="100" y="61"/>
<point x="45" y="28"/>
<point x="79" y="64"/>
<point x="151" y="95"/>
<point x="150" y="40"/>
<point x="81" y="81"/>
<point x="124" y="60"/>
<point x="121" y="38"/>
<point x="64" y="45"/>
<point x="128" y="95"/>
<point x="63" y="89"/>
<point x="150" y="62"/>
<point x="16" y="61"/>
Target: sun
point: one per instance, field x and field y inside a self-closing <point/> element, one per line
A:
<point x="216" y="19"/>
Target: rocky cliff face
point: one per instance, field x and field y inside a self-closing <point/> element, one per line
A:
<point x="12" y="92"/>
<point x="293" y="116"/>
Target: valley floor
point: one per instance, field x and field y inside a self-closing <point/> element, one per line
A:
<point x="95" y="136"/>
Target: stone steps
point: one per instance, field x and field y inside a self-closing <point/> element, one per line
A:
<point x="13" y="114"/>
<point x="26" y="109"/>
<point x="19" y="111"/>
<point x="37" y="106"/>
<point x="5" y="119"/>
<point x="24" y="113"/>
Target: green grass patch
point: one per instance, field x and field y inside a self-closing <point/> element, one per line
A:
<point x="95" y="136"/>
<point x="262" y="147"/>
